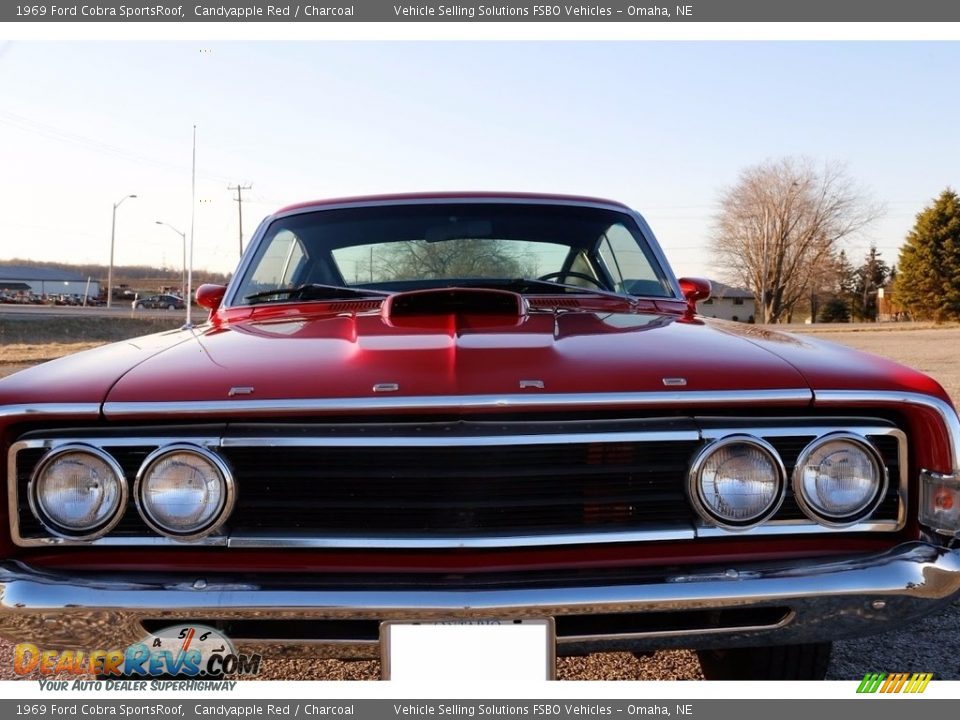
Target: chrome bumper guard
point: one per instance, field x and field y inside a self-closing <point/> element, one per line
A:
<point x="822" y="601"/>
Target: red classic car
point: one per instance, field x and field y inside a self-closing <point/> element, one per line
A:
<point x="476" y="407"/>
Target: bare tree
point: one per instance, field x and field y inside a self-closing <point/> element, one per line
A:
<point x="779" y="226"/>
<point x="470" y="258"/>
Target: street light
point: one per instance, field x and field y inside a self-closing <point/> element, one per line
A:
<point x="183" y="273"/>
<point x="113" y="235"/>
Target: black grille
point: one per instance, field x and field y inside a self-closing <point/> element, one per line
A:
<point x="466" y="489"/>
<point x="392" y="490"/>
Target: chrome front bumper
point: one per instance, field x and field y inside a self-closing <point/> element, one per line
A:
<point x="820" y="601"/>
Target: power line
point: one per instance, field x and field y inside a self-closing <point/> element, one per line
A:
<point x="239" y="200"/>
<point x="52" y="132"/>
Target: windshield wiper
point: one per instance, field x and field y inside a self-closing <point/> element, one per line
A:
<point x="535" y="285"/>
<point x="316" y="291"/>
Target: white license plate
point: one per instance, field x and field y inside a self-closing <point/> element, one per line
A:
<point x="504" y="650"/>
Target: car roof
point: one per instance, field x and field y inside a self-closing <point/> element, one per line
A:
<point x="452" y="196"/>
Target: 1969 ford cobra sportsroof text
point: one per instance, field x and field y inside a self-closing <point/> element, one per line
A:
<point x="475" y="406"/>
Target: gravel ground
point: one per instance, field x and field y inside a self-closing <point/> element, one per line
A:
<point x="931" y="645"/>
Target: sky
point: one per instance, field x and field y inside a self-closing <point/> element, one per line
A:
<point x="661" y="126"/>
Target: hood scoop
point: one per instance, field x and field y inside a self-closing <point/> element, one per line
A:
<point x="499" y="304"/>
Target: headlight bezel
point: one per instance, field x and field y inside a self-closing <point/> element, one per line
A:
<point x="822" y="517"/>
<point x="702" y="507"/>
<point x="91" y="533"/>
<point x="227" y="497"/>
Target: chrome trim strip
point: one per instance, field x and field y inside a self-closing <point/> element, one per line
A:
<point x="888" y="398"/>
<point x="246" y="259"/>
<point x="813" y="426"/>
<point x="116" y="542"/>
<point x="665" y="268"/>
<point x="730" y="629"/>
<point x="461" y="441"/>
<point x="853" y="596"/>
<point x="233" y="408"/>
<point x="782" y="528"/>
<point x="467" y="542"/>
<point x="208" y="441"/>
<point x="50" y="409"/>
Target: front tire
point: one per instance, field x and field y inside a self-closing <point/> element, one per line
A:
<point x="776" y="662"/>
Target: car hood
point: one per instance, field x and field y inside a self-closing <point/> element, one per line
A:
<point x="84" y="377"/>
<point x="365" y="355"/>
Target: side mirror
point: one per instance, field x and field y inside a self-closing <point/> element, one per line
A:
<point x="694" y="290"/>
<point x="210" y="296"/>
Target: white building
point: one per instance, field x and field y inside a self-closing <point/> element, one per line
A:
<point x="47" y="281"/>
<point x="728" y="303"/>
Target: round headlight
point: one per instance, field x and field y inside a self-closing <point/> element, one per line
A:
<point x="184" y="491"/>
<point x="78" y="492"/>
<point x="737" y="482"/>
<point x="839" y="479"/>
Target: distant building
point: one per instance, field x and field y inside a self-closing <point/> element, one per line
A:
<point x="888" y="309"/>
<point x="728" y="303"/>
<point x="46" y="281"/>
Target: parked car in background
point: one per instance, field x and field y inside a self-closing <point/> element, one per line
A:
<point x="476" y="408"/>
<point x="159" y="302"/>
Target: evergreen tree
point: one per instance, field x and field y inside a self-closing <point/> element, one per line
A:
<point x="928" y="274"/>
<point x="845" y="276"/>
<point x="840" y="290"/>
<point x="835" y="310"/>
<point x="869" y="277"/>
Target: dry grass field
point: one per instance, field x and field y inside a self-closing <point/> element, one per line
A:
<point x="933" y="645"/>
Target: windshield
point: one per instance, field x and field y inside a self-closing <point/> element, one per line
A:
<point x="537" y="248"/>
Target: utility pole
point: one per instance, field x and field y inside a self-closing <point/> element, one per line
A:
<point x="239" y="200"/>
<point x="113" y="237"/>
<point x="193" y="218"/>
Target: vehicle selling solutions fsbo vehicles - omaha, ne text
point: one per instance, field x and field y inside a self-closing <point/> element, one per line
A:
<point x="476" y="407"/>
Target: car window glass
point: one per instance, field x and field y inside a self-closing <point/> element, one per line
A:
<point x="627" y="263"/>
<point x="418" y="246"/>
<point x="280" y="263"/>
<point x="450" y="259"/>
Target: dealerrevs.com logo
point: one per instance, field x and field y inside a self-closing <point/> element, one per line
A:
<point x="183" y="651"/>
<point x="895" y="682"/>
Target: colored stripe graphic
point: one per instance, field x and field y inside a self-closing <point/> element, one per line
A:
<point x="871" y="682"/>
<point x="894" y="683"/>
